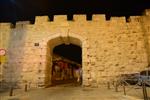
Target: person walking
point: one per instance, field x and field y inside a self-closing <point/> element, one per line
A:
<point x="79" y="74"/>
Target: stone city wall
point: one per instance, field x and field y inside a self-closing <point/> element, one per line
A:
<point x="109" y="47"/>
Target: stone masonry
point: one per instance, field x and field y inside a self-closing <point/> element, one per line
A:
<point x="109" y="47"/>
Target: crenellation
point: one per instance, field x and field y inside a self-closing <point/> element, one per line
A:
<point x="135" y="19"/>
<point x="117" y="20"/>
<point x="98" y="18"/>
<point x="147" y="12"/>
<point x="79" y="18"/>
<point x="4" y="26"/>
<point x="41" y="19"/>
<point x="60" y="18"/>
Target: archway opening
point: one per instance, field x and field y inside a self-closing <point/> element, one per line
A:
<point x="64" y="51"/>
<point x="67" y="64"/>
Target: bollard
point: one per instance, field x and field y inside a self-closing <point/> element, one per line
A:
<point x="11" y="91"/>
<point x="26" y="88"/>
<point x="108" y="85"/>
<point x="116" y="87"/>
<point x="144" y="91"/>
<point x="124" y="89"/>
<point x="113" y="83"/>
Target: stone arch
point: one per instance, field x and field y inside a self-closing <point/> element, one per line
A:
<point x="58" y="39"/>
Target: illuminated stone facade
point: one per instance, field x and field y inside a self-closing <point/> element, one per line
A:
<point x="109" y="48"/>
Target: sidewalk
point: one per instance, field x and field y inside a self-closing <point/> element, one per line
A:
<point x="67" y="93"/>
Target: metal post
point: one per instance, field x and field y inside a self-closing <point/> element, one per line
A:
<point x="116" y="87"/>
<point x="124" y="88"/>
<point x="11" y="91"/>
<point x="144" y="91"/>
<point x="113" y="83"/>
<point x="26" y="86"/>
<point x="108" y="85"/>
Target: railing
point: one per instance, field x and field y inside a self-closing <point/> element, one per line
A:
<point x="139" y="89"/>
<point x="11" y="86"/>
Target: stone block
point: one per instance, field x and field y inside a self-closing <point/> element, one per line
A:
<point x="116" y="20"/>
<point x="41" y="19"/>
<point x="79" y="18"/>
<point x="60" y="18"/>
<point x="98" y="18"/>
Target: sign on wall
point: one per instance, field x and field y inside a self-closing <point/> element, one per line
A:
<point x="2" y="52"/>
<point x="2" y="55"/>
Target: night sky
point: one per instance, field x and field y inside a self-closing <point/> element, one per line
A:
<point x="16" y="10"/>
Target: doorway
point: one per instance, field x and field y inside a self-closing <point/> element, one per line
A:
<point x="66" y="64"/>
<point x="64" y="51"/>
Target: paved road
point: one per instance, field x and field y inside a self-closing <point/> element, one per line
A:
<point x="67" y="92"/>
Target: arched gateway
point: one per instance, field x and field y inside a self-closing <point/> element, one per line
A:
<point x="109" y="48"/>
<point x="53" y="41"/>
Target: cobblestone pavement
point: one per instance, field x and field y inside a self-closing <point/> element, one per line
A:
<point x="67" y="92"/>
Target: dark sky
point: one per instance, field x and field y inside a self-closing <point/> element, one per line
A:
<point x="15" y="10"/>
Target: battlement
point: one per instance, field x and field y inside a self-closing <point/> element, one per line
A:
<point x="5" y="25"/>
<point x="118" y="19"/>
<point x="77" y="18"/>
<point x="147" y="12"/>
<point x="111" y="45"/>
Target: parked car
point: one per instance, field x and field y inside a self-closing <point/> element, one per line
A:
<point x="144" y="77"/>
<point x="131" y="79"/>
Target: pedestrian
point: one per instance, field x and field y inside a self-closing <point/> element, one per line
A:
<point x="79" y="74"/>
